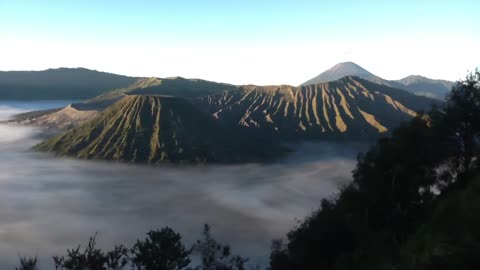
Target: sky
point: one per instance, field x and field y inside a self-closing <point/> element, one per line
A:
<point x="240" y="42"/>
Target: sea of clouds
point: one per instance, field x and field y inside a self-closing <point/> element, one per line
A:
<point x="48" y="204"/>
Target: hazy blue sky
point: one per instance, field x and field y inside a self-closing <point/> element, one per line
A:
<point x="263" y="42"/>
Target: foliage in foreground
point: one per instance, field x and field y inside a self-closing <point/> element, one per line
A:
<point x="412" y="203"/>
<point x="160" y="250"/>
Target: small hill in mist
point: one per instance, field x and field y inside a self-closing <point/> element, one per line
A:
<point x="416" y="84"/>
<point x="63" y="118"/>
<point x="152" y="129"/>
<point x="61" y="83"/>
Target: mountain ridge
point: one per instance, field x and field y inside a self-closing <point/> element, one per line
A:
<point x="61" y="83"/>
<point x="416" y="84"/>
<point x="155" y="129"/>
<point x="304" y="107"/>
<point x="349" y="107"/>
<point x="247" y="123"/>
<point x="82" y="83"/>
<point x="341" y="70"/>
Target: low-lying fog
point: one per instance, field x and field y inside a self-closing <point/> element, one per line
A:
<point x="49" y="204"/>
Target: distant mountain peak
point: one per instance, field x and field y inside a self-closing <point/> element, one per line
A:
<point x="348" y="67"/>
<point x="341" y="70"/>
<point x="416" y="84"/>
<point x="347" y="108"/>
<point x="416" y="76"/>
<point x="176" y="78"/>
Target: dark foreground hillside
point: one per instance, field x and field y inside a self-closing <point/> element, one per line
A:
<point x="450" y="239"/>
<point x="413" y="202"/>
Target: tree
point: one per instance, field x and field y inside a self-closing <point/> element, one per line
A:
<point x="373" y="216"/>
<point x="215" y="256"/>
<point x="27" y="264"/>
<point x="161" y="250"/>
<point x="92" y="258"/>
<point x="396" y="184"/>
<point x="279" y="258"/>
<point x="459" y="121"/>
<point x="396" y="177"/>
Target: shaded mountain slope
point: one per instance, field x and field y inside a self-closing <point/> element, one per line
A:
<point x="181" y="87"/>
<point x="424" y="86"/>
<point x="62" y="83"/>
<point x="151" y="129"/>
<point x="174" y="86"/>
<point x="350" y="108"/>
<point x="418" y="85"/>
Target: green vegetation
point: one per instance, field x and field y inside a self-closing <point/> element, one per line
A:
<point x="92" y="258"/>
<point x="216" y="256"/>
<point x="160" y="250"/>
<point x="450" y="238"/>
<point x="27" y="264"/>
<point x="413" y="203"/>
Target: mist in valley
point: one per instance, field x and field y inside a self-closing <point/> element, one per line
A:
<point x="49" y="204"/>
